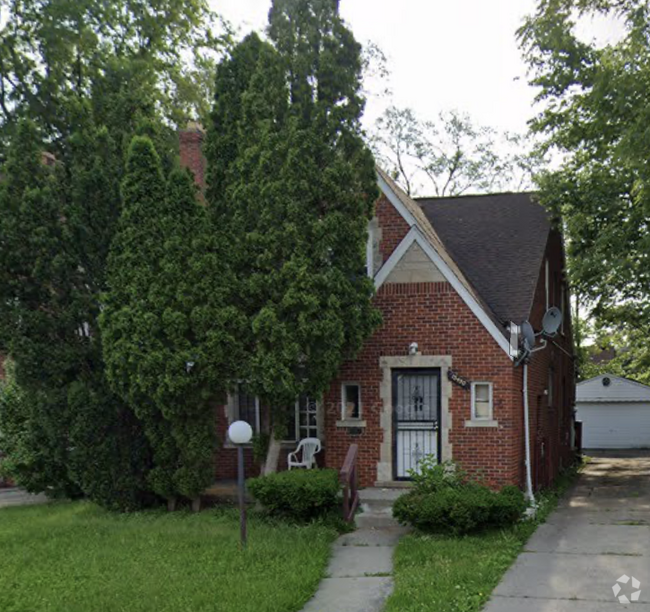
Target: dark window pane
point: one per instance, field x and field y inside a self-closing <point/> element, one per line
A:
<point x="291" y="423"/>
<point x="247" y="408"/>
<point x="352" y="402"/>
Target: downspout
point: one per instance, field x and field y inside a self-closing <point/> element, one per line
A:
<point x="529" y="480"/>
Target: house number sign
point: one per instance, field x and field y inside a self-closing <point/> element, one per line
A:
<point x="457" y="379"/>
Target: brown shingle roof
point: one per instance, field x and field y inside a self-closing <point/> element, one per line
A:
<point x="498" y="241"/>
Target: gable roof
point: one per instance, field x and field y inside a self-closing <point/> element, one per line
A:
<point x="619" y="390"/>
<point x="428" y="239"/>
<point x="498" y="241"/>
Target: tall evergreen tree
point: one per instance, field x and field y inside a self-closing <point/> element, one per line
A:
<point x="297" y="189"/>
<point x="38" y="321"/>
<point x="65" y="433"/>
<point x="127" y="322"/>
<point x="169" y="338"/>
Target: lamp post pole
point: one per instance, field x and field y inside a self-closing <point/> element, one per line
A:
<point x="242" y="493"/>
<point x="241" y="433"/>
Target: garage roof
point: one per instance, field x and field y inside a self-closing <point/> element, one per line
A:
<point x="608" y="388"/>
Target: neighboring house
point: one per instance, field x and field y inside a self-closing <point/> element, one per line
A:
<point x="615" y="412"/>
<point x="451" y="275"/>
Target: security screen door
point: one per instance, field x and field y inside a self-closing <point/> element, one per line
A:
<point x="416" y="419"/>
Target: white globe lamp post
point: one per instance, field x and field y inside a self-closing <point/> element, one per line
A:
<point x="240" y="433"/>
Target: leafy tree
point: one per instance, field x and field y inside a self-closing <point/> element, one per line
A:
<point x="54" y="52"/>
<point x="295" y="192"/>
<point x="89" y="74"/>
<point x="595" y="113"/>
<point x="35" y="296"/>
<point x="170" y="340"/>
<point x="127" y="322"/>
<point x="451" y="155"/>
<point x="64" y="432"/>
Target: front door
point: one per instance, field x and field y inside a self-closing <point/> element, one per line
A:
<point x="416" y="419"/>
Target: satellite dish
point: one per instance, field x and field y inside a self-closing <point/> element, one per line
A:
<point x="528" y="333"/>
<point x="552" y="321"/>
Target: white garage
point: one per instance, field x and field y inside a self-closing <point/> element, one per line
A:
<point x="615" y="412"/>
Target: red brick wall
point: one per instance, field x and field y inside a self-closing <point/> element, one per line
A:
<point x="551" y="424"/>
<point x="191" y="153"/>
<point x="393" y="227"/>
<point x="226" y="458"/>
<point x="434" y="316"/>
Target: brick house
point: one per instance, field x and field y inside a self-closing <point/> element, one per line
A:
<point x="439" y="377"/>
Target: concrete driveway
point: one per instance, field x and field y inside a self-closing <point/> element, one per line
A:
<point x="599" y="533"/>
<point x="18" y="497"/>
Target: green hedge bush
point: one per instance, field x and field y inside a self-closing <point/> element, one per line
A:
<point x="445" y="500"/>
<point x="460" y="511"/>
<point x="297" y="494"/>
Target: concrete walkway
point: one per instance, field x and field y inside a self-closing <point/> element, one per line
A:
<point x="360" y="570"/>
<point x="599" y="533"/>
<point x="18" y="497"/>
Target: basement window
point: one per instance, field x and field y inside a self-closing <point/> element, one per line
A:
<point x="482" y="401"/>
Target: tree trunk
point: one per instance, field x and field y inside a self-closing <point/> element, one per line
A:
<point x="272" y="455"/>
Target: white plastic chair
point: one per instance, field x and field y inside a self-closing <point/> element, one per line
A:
<point x="309" y="448"/>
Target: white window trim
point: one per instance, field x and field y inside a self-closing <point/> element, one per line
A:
<point x="345" y="417"/>
<point x="297" y="420"/>
<point x="476" y="419"/>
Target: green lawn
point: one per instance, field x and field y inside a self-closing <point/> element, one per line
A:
<point x="446" y="573"/>
<point x="75" y="557"/>
<point x="458" y="574"/>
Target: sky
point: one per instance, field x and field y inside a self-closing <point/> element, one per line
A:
<point x="443" y="54"/>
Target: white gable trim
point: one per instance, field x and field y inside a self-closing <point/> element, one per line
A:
<point x="395" y="201"/>
<point x="415" y="235"/>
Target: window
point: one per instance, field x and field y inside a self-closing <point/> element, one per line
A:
<point x="549" y="389"/>
<point x="307" y="418"/>
<point x="350" y="401"/>
<point x="302" y="416"/>
<point x="303" y="420"/>
<point x="248" y="408"/>
<point x="481" y="401"/>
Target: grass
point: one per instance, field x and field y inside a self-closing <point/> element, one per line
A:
<point x="458" y="574"/>
<point x="76" y="557"/>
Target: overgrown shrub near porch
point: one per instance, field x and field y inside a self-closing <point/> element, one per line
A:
<point x="445" y="500"/>
<point x="297" y="494"/>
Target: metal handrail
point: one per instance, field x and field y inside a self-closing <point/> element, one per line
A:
<point x="349" y="478"/>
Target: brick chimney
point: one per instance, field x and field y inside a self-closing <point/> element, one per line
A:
<point x="191" y="151"/>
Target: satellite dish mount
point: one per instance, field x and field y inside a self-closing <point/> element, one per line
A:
<point x="552" y="321"/>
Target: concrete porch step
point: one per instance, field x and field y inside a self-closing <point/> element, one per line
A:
<point x="377" y="508"/>
<point x="381" y="494"/>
